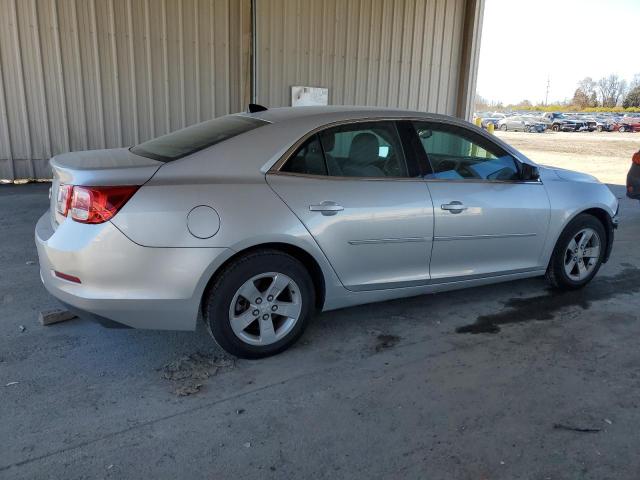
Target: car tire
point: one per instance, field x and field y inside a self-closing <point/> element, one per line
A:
<point x="555" y="128"/>
<point x="557" y="271"/>
<point x="599" y="128"/>
<point x="260" y="270"/>
<point x="622" y="129"/>
<point x="503" y="127"/>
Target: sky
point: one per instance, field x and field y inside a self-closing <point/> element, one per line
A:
<point x="526" y="41"/>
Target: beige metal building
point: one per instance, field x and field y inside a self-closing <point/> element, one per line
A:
<point x="90" y="74"/>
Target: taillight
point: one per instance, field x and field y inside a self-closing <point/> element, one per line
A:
<point x="636" y="158"/>
<point x="98" y="204"/>
<point x="63" y="199"/>
<point x="92" y="204"/>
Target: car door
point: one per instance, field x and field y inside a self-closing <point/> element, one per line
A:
<point x="488" y="219"/>
<point x="517" y="123"/>
<point x="368" y="210"/>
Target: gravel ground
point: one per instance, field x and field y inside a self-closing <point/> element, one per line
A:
<point x="380" y="391"/>
<point x="605" y="155"/>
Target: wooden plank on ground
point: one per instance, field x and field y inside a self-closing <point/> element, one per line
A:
<point x="49" y="317"/>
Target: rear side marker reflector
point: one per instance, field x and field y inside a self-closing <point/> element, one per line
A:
<point x="64" y="276"/>
<point x="92" y="204"/>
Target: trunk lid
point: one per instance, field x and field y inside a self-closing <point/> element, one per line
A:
<point x="111" y="167"/>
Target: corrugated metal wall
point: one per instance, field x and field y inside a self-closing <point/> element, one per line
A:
<point x="402" y="53"/>
<point x="88" y="74"/>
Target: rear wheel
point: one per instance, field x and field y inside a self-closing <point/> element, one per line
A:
<point x="503" y="127"/>
<point x="260" y="304"/>
<point x="578" y="254"/>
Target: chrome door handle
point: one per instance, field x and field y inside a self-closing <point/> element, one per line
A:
<point x="453" y="207"/>
<point x="326" y="208"/>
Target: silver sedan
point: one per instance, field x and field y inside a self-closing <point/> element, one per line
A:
<point x="521" y="124"/>
<point x="253" y="221"/>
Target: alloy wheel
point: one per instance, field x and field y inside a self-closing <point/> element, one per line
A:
<point x="265" y="308"/>
<point x="582" y="254"/>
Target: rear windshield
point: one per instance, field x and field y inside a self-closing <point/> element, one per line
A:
<point x="196" y="137"/>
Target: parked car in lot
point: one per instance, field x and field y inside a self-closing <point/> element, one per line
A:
<point x="633" y="177"/>
<point x="485" y="121"/>
<point x="559" y="122"/>
<point x="253" y="221"/>
<point x="592" y="125"/>
<point x="628" y="124"/>
<point x="487" y="118"/>
<point x="521" y="124"/>
<point x="604" y="124"/>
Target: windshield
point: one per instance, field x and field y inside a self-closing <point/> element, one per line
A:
<point x="184" y="142"/>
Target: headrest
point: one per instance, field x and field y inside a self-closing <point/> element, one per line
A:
<point x="364" y="148"/>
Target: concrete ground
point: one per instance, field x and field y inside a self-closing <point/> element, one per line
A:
<point x="380" y="391"/>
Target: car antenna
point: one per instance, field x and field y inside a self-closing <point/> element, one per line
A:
<point x="254" y="107"/>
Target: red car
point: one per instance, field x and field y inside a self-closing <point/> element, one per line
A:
<point x="628" y="124"/>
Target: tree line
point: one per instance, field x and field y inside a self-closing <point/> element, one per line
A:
<point x="610" y="93"/>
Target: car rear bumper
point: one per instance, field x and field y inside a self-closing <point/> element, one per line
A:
<point x="140" y="287"/>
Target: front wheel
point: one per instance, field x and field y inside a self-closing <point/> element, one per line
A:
<point x="555" y="128"/>
<point x="260" y="304"/>
<point x="622" y="129"/>
<point x="578" y="254"/>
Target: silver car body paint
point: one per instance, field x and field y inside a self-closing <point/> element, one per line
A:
<point x="391" y="239"/>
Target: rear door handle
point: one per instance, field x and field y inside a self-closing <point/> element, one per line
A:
<point x="326" y="208"/>
<point x="453" y="207"/>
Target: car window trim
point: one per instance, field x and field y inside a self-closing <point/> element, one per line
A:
<point x="274" y="169"/>
<point x="277" y="166"/>
<point x="335" y="177"/>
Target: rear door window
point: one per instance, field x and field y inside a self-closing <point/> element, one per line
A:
<point x="366" y="149"/>
<point x="308" y="159"/>
<point x="361" y="150"/>
<point x="189" y="140"/>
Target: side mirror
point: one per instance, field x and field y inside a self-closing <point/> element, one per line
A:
<point x="529" y="172"/>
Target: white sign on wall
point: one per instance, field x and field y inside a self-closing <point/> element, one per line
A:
<point x="309" y="96"/>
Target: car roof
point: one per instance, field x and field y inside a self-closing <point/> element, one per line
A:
<point x="330" y="113"/>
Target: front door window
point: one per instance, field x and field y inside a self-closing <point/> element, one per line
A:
<point x="458" y="154"/>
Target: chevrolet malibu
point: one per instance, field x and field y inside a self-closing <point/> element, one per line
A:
<point x="253" y="221"/>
